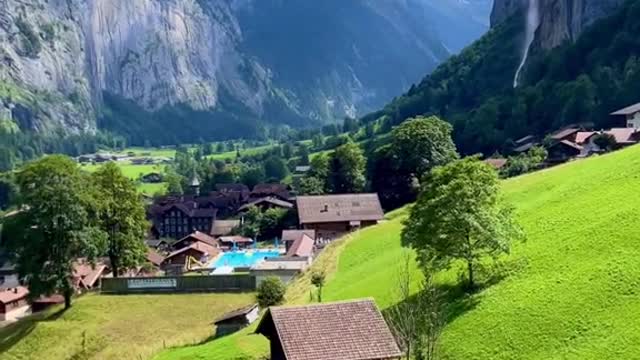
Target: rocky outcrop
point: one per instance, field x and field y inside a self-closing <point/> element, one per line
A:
<point x="272" y="60"/>
<point x="560" y="20"/>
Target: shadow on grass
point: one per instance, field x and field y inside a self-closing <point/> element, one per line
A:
<point x="11" y="334"/>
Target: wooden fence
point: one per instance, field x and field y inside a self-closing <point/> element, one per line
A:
<point x="176" y="284"/>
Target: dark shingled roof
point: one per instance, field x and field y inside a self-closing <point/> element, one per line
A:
<point x="240" y="312"/>
<point x="339" y="208"/>
<point x="352" y="330"/>
<point x="269" y="200"/>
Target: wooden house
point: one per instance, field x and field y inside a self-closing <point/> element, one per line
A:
<point x="631" y="115"/>
<point x="14" y="303"/>
<point x="290" y="236"/>
<point x="236" y="320"/>
<point x="334" y="215"/>
<point x="562" y="151"/>
<point x="343" y="330"/>
<point x="193" y="238"/>
<point x="265" y="203"/>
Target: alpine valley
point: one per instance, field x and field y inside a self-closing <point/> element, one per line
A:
<point x="167" y="70"/>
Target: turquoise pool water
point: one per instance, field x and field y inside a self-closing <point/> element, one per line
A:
<point x="244" y="259"/>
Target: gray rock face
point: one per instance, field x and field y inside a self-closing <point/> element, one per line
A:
<point x="560" y="20"/>
<point x="58" y="57"/>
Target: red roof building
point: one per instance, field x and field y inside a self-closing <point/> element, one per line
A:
<point x="351" y="330"/>
<point x="14" y="303"/>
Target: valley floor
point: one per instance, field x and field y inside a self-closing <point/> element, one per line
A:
<point x="571" y="291"/>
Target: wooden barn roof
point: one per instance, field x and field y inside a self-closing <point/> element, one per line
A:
<point x="339" y="208"/>
<point x="351" y="330"/>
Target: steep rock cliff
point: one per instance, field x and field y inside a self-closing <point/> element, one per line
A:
<point x="66" y="63"/>
<point x="560" y="20"/>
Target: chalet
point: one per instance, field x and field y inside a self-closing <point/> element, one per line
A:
<point x="178" y="220"/>
<point x="193" y="238"/>
<point x="567" y="133"/>
<point x="224" y="227"/>
<point x="236" y="320"/>
<point x="279" y="191"/>
<point x="235" y="242"/>
<point x="44" y="302"/>
<point x="631" y="115"/>
<point x="290" y="236"/>
<point x="86" y="276"/>
<point x="562" y="151"/>
<point x="265" y="203"/>
<point x="342" y="330"/>
<point x="497" y="163"/>
<point x="333" y="215"/>
<point x="158" y="244"/>
<point x="241" y="189"/>
<point x="154" y="258"/>
<point x="8" y="275"/>
<point x="181" y="260"/>
<point x="622" y="137"/>
<point x="14" y="303"/>
<point x="525" y="143"/>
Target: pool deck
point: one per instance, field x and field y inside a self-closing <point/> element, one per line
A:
<point x="229" y="269"/>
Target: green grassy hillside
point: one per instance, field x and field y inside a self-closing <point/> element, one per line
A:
<point x="117" y="327"/>
<point x="571" y="291"/>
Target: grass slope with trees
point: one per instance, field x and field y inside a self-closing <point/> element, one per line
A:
<point x="580" y="82"/>
<point x="569" y="291"/>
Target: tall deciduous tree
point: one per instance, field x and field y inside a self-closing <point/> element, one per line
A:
<point x="121" y="217"/>
<point x="346" y="169"/>
<point x="421" y="144"/>
<point x="459" y="216"/>
<point x="57" y="225"/>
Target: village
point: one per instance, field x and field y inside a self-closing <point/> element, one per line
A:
<point x="198" y="242"/>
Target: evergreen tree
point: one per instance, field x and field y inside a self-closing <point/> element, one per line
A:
<point x="346" y="169"/>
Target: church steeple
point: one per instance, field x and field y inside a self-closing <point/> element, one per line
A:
<point x="195" y="183"/>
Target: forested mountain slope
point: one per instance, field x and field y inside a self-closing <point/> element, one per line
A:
<point x="592" y="73"/>
<point x="176" y="70"/>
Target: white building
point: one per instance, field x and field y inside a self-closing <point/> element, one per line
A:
<point x="631" y="114"/>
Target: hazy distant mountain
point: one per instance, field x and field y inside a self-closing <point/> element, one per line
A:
<point x="167" y="69"/>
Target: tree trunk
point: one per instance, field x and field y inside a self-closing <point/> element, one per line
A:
<point x="68" y="291"/>
<point x="470" y="267"/>
<point x="115" y="268"/>
<point x="320" y="294"/>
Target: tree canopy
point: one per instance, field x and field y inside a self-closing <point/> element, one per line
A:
<point x="56" y="226"/>
<point x="459" y="216"/>
<point x="346" y="169"/>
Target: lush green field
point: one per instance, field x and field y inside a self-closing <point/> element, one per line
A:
<point x="571" y="291"/>
<point x="134" y="172"/>
<point x="117" y="327"/>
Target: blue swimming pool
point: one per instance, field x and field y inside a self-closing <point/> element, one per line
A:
<point x="244" y="259"/>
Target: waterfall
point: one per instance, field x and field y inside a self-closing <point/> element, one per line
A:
<point x="533" y="21"/>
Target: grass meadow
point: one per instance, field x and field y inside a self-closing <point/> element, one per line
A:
<point x="570" y="291"/>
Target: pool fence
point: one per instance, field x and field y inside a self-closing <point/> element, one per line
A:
<point x="178" y="284"/>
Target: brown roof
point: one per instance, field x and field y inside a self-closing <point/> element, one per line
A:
<point x="279" y="190"/>
<point x="13" y="294"/>
<point x="569" y="144"/>
<point x="583" y="136"/>
<point x="293" y="235"/>
<point x="200" y="236"/>
<point x="563" y="133"/>
<point x="199" y="246"/>
<point x="235" y="239"/>
<point x="240" y="312"/>
<point x="497" y="163"/>
<point x="302" y="247"/>
<point x="153" y="257"/>
<point x="269" y="199"/>
<point x="224" y="227"/>
<point x="628" y="110"/>
<point x="623" y="135"/>
<point x="339" y="208"/>
<point x="352" y="330"/>
<point x="86" y="274"/>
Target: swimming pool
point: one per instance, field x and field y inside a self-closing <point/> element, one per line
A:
<point x="244" y="258"/>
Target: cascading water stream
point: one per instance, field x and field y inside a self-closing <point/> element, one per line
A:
<point x="533" y="21"/>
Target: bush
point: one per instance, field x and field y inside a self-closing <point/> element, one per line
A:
<point x="270" y="292"/>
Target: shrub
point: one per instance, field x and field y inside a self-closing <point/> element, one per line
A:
<point x="270" y="292"/>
